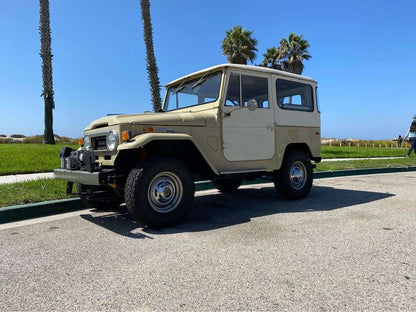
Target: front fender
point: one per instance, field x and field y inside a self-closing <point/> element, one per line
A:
<point x="142" y="139"/>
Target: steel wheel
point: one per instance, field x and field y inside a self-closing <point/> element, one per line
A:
<point x="298" y="175"/>
<point x="165" y="192"/>
<point x="294" y="179"/>
<point x="159" y="193"/>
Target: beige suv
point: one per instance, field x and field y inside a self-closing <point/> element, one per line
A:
<point x="227" y="123"/>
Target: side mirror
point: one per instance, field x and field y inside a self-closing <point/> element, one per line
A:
<point x="252" y="105"/>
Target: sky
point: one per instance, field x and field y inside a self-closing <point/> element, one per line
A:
<point x="362" y="57"/>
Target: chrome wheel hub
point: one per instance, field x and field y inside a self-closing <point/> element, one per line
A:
<point x="298" y="175"/>
<point x="165" y="192"/>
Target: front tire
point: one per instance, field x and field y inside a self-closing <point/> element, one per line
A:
<point x="295" y="177"/>
<point x="159" y="193"/>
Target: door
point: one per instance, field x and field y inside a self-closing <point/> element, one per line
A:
<point x="248" y="130"/>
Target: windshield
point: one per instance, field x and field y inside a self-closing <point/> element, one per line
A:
<point x="204" y="89"/>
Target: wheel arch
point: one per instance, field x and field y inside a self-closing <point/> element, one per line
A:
<point x="294" y="178"/>
<point x="182" y="148"/>
<point x="303" y="147"/>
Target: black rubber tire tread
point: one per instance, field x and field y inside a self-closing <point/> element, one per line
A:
<point x="282" y="177"/>
<point x="105" y="201"/>
<point x="136" y="187"/>
<point x="226" y="185"/>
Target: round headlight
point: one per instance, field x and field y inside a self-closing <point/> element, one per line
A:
<point x="87" y="141"/>
<point x="112" y="140"/>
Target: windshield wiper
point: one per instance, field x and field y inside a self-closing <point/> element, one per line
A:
<point x="178" y="89"/>
<point x="181" y="86"/>
<point x="201" y="80"/>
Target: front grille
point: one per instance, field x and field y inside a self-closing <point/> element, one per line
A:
<point x="100" y="143"/>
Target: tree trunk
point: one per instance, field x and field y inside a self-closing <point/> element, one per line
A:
<point x="46" y="55"/>
<point x="152" y="69"/>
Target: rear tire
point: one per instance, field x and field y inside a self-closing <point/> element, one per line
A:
<point x="159" y="193"/>
<point x="227" y="184"/>
<point x="295" y="177"/>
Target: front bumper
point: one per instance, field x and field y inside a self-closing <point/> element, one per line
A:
<point x="82" y="177"/>
<point x="80" y="167"/>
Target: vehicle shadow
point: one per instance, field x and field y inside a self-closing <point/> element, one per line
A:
<point x="117" y="220"/>
<point x="218" y="210"/>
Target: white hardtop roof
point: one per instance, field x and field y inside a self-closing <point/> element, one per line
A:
<point x="259" y="69"/>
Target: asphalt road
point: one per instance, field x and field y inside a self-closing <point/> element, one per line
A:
<point x="350" y="246"/>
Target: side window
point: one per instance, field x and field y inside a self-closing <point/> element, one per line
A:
<point x="233" y="91"/>
<point x="294" y="95"/>
<point x="256" y="88"/>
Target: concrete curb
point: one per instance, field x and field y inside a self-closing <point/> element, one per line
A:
<point x="36" y="210"/>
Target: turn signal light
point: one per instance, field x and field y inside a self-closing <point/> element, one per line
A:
<point x="80" y="141"/>
<point x="125" y="135"/>
<point x="150" y="129"/>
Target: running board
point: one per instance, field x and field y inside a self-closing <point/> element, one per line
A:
<point x="242" y="171"/>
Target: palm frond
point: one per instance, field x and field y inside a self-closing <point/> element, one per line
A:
<point x="239" y="45"/>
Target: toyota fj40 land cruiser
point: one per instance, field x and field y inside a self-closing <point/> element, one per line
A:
<point x="225" y="124"/>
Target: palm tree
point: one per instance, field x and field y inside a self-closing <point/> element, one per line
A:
<point x="292" y="52"/>
<point x="46" y="55"/>
<point x="152" y="69"/>
<point x="271" y="59"/>
<point x="239" y="45"/>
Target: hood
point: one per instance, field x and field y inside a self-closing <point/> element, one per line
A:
<point x="162" y="119"/>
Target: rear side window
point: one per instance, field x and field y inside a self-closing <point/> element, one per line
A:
<point x="294" y="95"/>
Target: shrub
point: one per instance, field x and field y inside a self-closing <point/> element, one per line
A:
<point x="4" y="140"/>
<point x="38" y="139"/>
<point x="17" y="136"/>
<point x="68" y="140"/>
<point x="35" y="139"/>
<point x="356" y="143"/>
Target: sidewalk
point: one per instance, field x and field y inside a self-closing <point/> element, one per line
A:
<point x="25" y="177"/>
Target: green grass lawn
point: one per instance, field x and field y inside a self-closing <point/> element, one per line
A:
<point x="365" y="164"/>
<point x="353" y="152"/>
<point x="32" y="192"/>
<point x="29" y="158"/>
